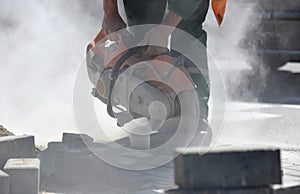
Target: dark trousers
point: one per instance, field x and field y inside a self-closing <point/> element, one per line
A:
<point x="140" y="12"/>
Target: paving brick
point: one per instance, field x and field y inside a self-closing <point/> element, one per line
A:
<point x="4" y="183"/>
<point x="76" y="140"/>
<point x="76" y="166"/>
<point x="227" y="167"/>
<point x="286" y="189"/>
<point x="48" y="157"/>
<point x="222" y="191"/>
<point x="80" y="166"/>
<point x="16" y="147"/>
<point x="24" y="174"/>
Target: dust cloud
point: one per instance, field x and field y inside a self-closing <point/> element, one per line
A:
<point x="42" y="46"/>
<point x="230" y="46"/>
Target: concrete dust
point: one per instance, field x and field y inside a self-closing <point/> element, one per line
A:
<point x="42" y="45"/>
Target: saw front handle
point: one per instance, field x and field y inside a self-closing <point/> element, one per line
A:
<point x="115" y="72"/>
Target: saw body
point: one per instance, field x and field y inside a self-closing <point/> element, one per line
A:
<point x="129" y="82"/>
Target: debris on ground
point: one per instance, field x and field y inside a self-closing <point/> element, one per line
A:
<point x="4" y="132"/>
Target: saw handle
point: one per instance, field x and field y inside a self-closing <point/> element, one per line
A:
<point x="115" y="71"/>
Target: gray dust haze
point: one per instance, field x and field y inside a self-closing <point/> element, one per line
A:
<point x="228" y="48"/>
<point x="42" y="45"/>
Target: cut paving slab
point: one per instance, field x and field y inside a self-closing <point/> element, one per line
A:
<point x="227" y="167"/>
<point x="81" y="171"/>
<point x="4" y="183"/>
<point x="69" y="141"/>
<point x="222" y="191"/>
<point x="48" y="157"/>
<point x="75" y="140"/>
<point x="16" y="147"/>
<point x="24" y="175"/>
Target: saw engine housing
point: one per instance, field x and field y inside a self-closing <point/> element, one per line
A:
<point x="129" y="82"/>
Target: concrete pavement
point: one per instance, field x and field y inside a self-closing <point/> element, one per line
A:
<point x="246" y="123"/>
<point x="266" y="124"/>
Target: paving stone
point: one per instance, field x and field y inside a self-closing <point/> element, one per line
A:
<point x="48" y="156"/>
<point x="76" y="140"/>
<point x="286" y="189"/>
<point x="227" y="167"/>
<point x="54" y="146"/>
<point x="16" y="147"/>
<point x="222" y="191"/>
<point x="4" y="183"/>
<point x="80" y="166"/>
<point x="75" y="166"/>
<point x="24" y="175"/>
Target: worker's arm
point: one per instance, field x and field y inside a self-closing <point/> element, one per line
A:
<point x="112" y="21"/>
<point x="160" y="35"/>
<point x="172" y="19"/>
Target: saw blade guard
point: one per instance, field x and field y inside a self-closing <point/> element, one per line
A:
<point x="107" y="63"/>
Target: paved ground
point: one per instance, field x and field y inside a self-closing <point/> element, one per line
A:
<point x="267" y="124"/>
<point x="44" y="88"/>
<point x="246" y="123"/>
<point x="272" y="118"/>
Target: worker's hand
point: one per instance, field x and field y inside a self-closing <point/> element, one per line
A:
<point x="157" y="39"/>
<point x="112" y="22"/>
<point x="159" y="36"/>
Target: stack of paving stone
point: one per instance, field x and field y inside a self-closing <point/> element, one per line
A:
<point x="24" y="175"/>
<point x="19" y="170"/>
<point x="229" y="170"/>
<point x="16" y="147"/>
<point x="59" y="154"/>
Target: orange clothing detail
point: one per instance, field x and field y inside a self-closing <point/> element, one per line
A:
<point x="219" y="7"/>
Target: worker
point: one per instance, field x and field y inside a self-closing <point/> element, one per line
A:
<point x="186" y="15"/>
